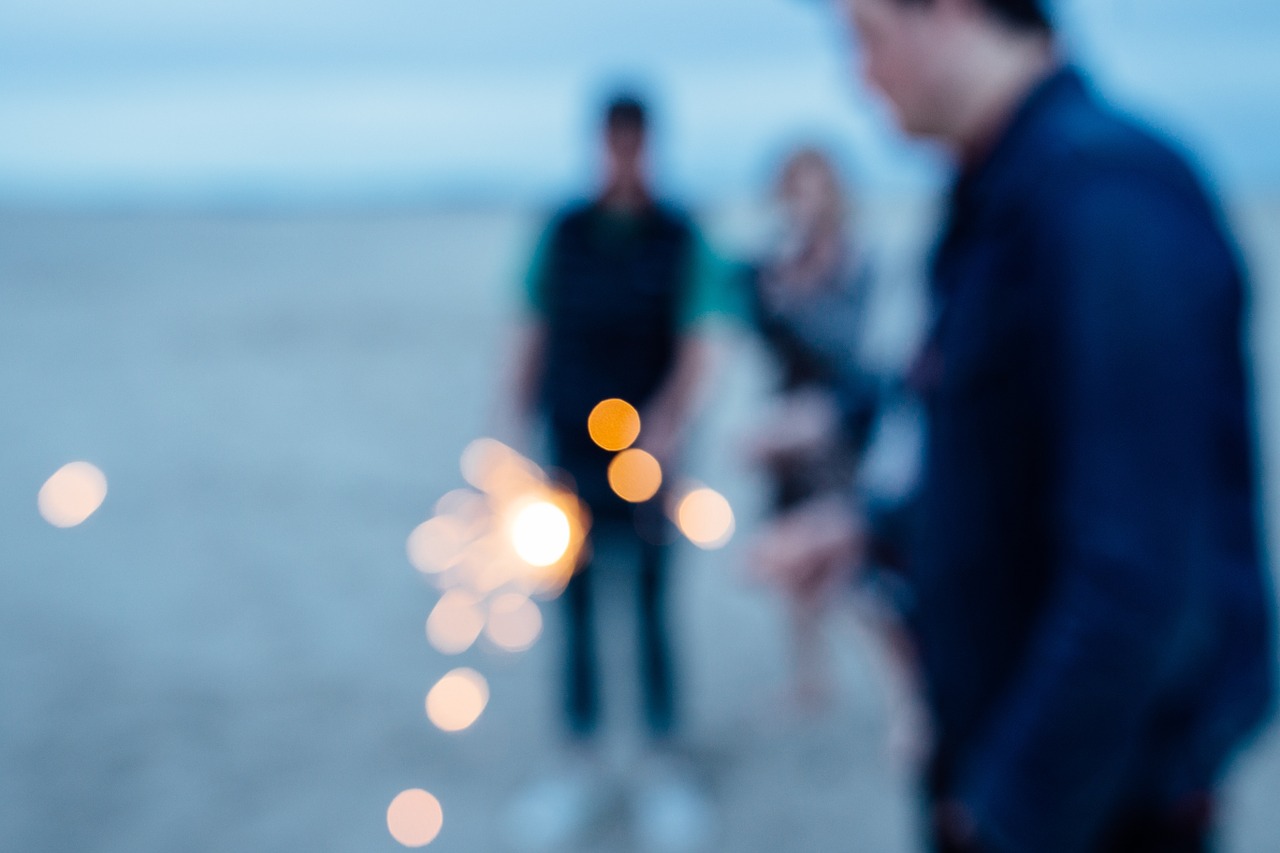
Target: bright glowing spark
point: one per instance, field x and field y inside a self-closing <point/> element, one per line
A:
<point x="614" y="424"/>
<point x="541" y="533"/>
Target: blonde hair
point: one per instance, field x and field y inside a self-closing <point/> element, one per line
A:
<point x="836" y="207"/>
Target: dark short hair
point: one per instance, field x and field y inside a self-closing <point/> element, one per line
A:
<point x="1022" y="14"/>
<point x="625" y="111"/>
<point x="1032" y="14"/>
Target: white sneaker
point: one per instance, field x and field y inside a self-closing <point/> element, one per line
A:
<point x="673" y="814"/>
<point x="556" y="812"/>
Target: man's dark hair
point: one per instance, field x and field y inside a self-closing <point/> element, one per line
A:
<point x="1029" y="14"/>
<point x="1022" y="14"/>
<point x="625" y="111"/>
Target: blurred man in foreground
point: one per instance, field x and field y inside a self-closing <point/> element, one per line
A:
<point x="1087" y="597"/>
<point x="615" y="295"/>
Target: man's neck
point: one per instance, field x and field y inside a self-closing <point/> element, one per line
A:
<point x="625" y="197"/>
<point x="999" y="84"/>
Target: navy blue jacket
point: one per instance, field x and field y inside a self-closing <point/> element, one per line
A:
<point x="1092" y="612"/>
<point x="612" y="293"/>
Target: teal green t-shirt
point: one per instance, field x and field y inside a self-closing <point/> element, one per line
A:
<point x="707" y="291"/>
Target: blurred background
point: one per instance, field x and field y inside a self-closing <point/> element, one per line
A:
<point x="259" y="262"/>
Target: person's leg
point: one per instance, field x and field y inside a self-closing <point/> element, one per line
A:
<point x="575" y="458"/>
<point x="672" y="808"/>
<point x="1136" y="832"/>
<point x="812" y="687"/>
<point x="582" y="698"/>
<point x="655" y="645"/>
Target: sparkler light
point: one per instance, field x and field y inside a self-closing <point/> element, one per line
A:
<point x="517" y="531"/>
<point x="635" y="476"/>
<point x="540" y="533"/>
<point x="515" y="536"/>
<point x="614" y="424"/>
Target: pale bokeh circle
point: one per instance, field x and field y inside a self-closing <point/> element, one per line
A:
<point x="515" y="622"/>
<point x="457" y="700"/>
<point x="415" y="818"/>
<point x="455" y="622"/>
<point x="435" y="545"/>
<point x="72" y="494"/>
<point x="705" y="517"/>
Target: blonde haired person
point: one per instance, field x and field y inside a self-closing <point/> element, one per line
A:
<point x="807" y="296"/>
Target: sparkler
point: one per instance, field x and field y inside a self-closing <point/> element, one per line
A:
<point x="513" y="537"/>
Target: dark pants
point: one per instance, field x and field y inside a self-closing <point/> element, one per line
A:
<point x="636" y="533"/>
<point x="1187" y="830"/>
<point x="1186" y="827"/>
<point x="582" y="694"/>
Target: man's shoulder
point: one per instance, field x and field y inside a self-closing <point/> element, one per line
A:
<point x="1110" y="186"/>
<point x="672" y="215"/>
<point x="671" y="209"/>
<point x="1087" y="141"/>
<point x="663" y="212"/>
<point x="569" y="214"/>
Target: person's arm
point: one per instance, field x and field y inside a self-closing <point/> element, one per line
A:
<point x="525" y="369"/>
<point x="1135" y="272"/>
<point x="526" y="357"/>
<point x="667" y="416"/>
<point x="829" y="326"/>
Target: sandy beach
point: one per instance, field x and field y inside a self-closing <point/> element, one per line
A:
<point x="229" y="655"/>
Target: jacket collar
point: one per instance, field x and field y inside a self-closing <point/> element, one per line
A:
<point x="1016" y="147"/>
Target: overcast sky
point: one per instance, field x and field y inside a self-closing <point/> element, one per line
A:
<point x="315" y="99"/>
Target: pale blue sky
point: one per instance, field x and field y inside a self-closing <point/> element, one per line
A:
<point x="279" y="100"/>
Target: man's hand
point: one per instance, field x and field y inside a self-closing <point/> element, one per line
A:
<point x="812" y="548"/>
<point x="512" y="417"/>
<point x="664" y="421"/>
<point x="804" y="424"/>
<point x="662" y="434"/>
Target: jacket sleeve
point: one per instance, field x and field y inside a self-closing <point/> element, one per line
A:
<point x="1136" y="277"/>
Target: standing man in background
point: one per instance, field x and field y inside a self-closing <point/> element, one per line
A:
<point x="614" y="292"/>
<point x="1092" y="616"/>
